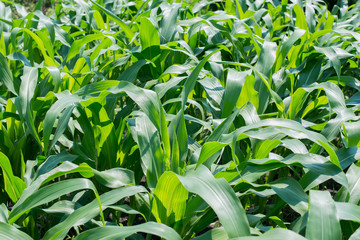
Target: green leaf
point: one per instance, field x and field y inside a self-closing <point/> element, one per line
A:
<point x="147" y="137"/>
<point x="221" y="198"/>
<point x="40" y="44"/>
<point x="62" y="125"/>
<point x="323" y="222"/>
<point x="346" y="156"/>
<point x="168" y="22"/>
<point x="214" y="90"/>
<point x="286" y="46"/>
<point x="333" y="57"/>
<point x="86" y="213"/>
<point x="96" y="87"/>
<point x="64" y="101"/>
<point x="115" y="232"/>
<point x="264" y="65"/>
<point x="129" y="33"/>
<point x="8" y="232"/>
<point x="267" y="58"/>
<point x="77" y="44"/>
<point x="248" y="93"/>
<point x="14" y="186"/>
<point x="263" y="149"/>
<point x="355" y="235"/>
<point x="213" y="234"/>
<point x="314" y="162"/>
<point x="49" y="193"/>
<point x="130" y="74"/>
<point x="352" y="133"/>
<point x="115" y="177"/>
<point x="206" y="151"/>
<point x="300" y="18"/>
<point x="169" y="201"/>
<point x="7" y="78"/>
<point x="27" y="91"/>
<point x="310" y="74"/>
<point x="275" y="234"/>
<point x="292" y="193"/>
<point x="352" y="194"/>
<point x="146" y="99"/>
<point x="182" y="139"/>
<point x="282" y="123"/>
<point x="348" y="211"/>
<point x="149" y="39"/>
<point x="191" y="80"/>
<point x="234" y="83"/>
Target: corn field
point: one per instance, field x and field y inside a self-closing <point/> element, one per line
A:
<point x="162" y="119"/>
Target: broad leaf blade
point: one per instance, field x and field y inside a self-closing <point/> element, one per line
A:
<point x="115" y="232"/>
<point x="9" y="232"/>
<point x="323" y="222"/>
<point x="222" y="199"/>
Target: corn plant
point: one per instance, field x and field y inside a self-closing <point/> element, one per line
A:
<point x="180" y="120"/>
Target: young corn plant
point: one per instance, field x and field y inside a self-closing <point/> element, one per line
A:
<point x="180" y="120"/>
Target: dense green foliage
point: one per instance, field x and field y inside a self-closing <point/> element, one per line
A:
<point x="197" y="119"/>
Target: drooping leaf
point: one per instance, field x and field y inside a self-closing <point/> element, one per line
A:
<point x="9" y="232"/>
<point x="115" y="232"/>
<point x="221" y="198"/>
